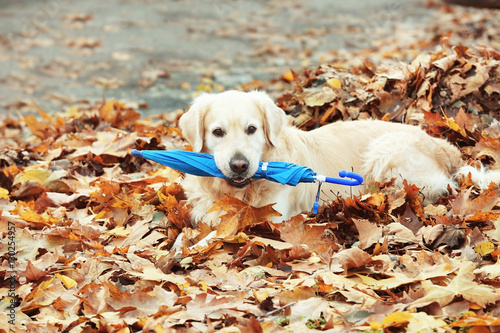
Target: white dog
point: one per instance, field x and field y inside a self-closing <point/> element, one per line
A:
<point x="240" y="129"/>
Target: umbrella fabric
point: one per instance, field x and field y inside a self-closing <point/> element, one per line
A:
<point x="198" y="164"/>
<point x="285" y="173"/>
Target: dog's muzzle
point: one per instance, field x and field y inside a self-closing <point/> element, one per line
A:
<point x="239" y="166"/>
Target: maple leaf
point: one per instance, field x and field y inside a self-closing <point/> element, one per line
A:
<point x="351" y="258"/>
<point x="369" y="233"/>
<point x="33" y="273"/>
<point x="462" y="284"/>
<point x="298" y="233"/>
<point x="177" y="213"/>
<point x="414" y="199"/>
<point x="488" y="148"/>
<point x="117" y="114"/>
<point x="239" y="215"/>
<point x="113" y="142"/>
<point x="46" y="127"/>
<point x="478" y="209"/>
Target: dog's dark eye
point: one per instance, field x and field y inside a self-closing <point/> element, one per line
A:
<point x="251" y="130"/>
<point x="218" y="132"/>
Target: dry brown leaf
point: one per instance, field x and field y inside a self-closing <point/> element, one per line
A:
<point x="240" y="215"/>
<point x="461" y="285"/>
<point x="351" y="258"/>
<point x="315" y="237"/>
<point x="369" y="233"/>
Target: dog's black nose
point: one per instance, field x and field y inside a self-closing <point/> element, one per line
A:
<point x="238" y="164"/>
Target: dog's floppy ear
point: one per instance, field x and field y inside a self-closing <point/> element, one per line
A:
<point x="191" y="122"/>
<point x="274" y="117"/>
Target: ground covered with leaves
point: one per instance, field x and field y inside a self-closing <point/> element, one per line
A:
<point x="93" y="227"/>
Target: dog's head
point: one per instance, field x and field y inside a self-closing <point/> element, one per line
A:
<point x="237" y="128"/>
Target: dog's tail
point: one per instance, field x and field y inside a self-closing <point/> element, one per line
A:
<point x="481" y="177"/>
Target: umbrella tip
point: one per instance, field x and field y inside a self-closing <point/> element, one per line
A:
<point x="315" y="207"/>
<point x="135" y="152"/>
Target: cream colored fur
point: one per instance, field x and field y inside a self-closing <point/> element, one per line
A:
<point x="375" y="149"/>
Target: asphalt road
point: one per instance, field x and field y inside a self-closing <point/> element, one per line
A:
<point x="57" y="52"/>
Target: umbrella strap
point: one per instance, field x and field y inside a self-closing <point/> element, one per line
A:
<point x="316" y="203"/>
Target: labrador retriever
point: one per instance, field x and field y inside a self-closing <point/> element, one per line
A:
<point x="240" y="129"/>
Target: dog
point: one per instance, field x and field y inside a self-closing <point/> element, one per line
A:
<point x="242" y="128"/>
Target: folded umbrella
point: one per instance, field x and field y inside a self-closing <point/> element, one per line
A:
<point x="292" y="174"/>
<point x="202" y="164"/>
<point x="198" y="164"/>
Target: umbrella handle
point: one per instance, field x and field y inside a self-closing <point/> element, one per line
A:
<point x="355" y="181"/>
<point x="135" y="152"/>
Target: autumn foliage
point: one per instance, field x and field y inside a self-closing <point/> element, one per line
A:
<point x="95" y="227"/>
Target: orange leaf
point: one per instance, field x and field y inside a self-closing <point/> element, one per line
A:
<point x="177" y="213"/>
<point x="240" y="214"/>
<point x="288" y="76"/>
<point x="412" y="193"/>
<point x="316" y="237"/>
<point x="117" y="114"/>
<point x="478" y="209"/>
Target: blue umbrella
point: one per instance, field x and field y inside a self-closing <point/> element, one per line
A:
<point x="198" y="164"/>
<point x="202" y="164"/>
<point x="292" y="174"/>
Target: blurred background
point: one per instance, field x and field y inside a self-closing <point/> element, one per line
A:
<point x="158" y="55"/>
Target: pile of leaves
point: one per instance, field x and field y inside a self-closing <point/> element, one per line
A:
<point x="451" y="81"/>
<point x="95" y="227"/>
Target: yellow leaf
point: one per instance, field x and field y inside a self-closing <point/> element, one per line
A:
<point x="484" y="248"/>
<point x="159" y="329"/>
<point x="67" y="281"/>
<point x="4" y="194"/>
<point x="375" y="199"/>
<point x="288" y="76"/>
<point x="37" y="174"/>
<point x="118" y="232"/>
<point x="240" y="237"/>
<point x="274" y="243"/>
<point x="260" y="294"/>
<point x="44" y="285"/>
<point x="203" y="286"/>
<point x="73" y="112"/>
<point x="120" y="203"/>
<point x="383" y="284"/>
<point x="335" y="83"/>
<point x="32" y="216"/>
<point x="124" y="330"/>
<point x="397" y="317"/>
<point x="454" y="126"/>
<point x="422" y="322"/>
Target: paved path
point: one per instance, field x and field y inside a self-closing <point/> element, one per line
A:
<point x="55" y="52"/>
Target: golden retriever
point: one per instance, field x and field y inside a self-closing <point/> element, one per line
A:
<point x="240" y="129"/>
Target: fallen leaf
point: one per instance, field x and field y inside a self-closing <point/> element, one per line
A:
<point x="351" y="258"/>
<point x="369" y="233"/>
<point x="315" y="97"/>
<point x="484" y="248"/>
<point x="240" y="215"/>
